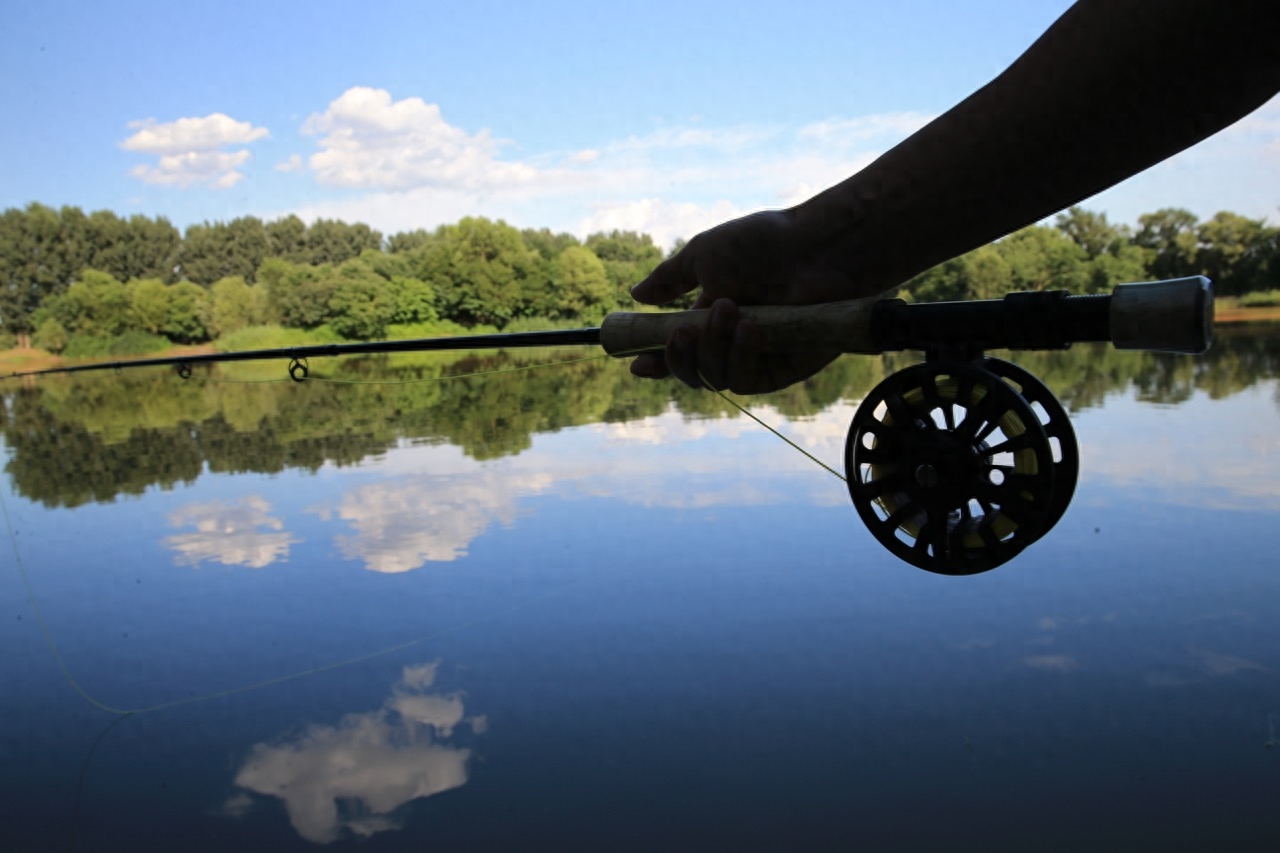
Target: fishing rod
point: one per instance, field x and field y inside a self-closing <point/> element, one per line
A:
<point x="956" y="464"/>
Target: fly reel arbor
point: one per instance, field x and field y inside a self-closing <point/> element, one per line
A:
<point x="959" y="463"/>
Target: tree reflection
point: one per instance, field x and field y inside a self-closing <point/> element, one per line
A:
<point x="75" y="439"/>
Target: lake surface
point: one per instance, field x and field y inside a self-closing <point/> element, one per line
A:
<point x="561" y="608"/>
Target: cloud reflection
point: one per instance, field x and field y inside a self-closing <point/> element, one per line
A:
<point x="399" y="525"/>
<point x="353" y="777"/>
<point x="231" y="534"/>
<point x="435" y="501"/>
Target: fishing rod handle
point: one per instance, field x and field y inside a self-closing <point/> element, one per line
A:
<point x="1163" y="316"/>
<point x="826" y="326"/>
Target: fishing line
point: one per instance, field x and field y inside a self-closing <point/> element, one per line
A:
<point x="748" y="413"/>
<point x="88" y="697"/>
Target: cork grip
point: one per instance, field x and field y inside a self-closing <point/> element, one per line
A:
<point x="825" y="327"/>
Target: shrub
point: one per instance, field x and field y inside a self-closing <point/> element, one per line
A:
<point x="50" y="335"/>
<point x="1260" y="298"/>
<point x="129" y="343"/>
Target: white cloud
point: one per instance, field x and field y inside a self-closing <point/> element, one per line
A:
<point x="191" y="134"/>
<point x="845" y="131"/>
<point x="367" y="140"/>
<point x="215" y="169"/>
<point x="662" y="220"/>
<point x="723" y="140"/>
<point x="353" y="777"/>
<point x="231" y="534"/>
<point x="189" y="150"/>
<point x="293" y="164"/>
<point x="672" y="182"/>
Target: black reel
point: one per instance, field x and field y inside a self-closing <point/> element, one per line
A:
<point x="957" y="466"/>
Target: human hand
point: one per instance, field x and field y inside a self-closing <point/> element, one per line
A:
<point x="761" y="259"/>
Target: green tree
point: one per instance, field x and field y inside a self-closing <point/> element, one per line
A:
<point x="1090" y="231"/>
<point x="185" y="321"/>
<point x="628" y="257"/>
<point x="360" y="307"/>
<point x="408" y="241"/>
<point x="33" y="264"/>
<point x="96" y="305"/>
<point x="1043" y="258"/>
<point x="987" y="274"/>
<point x="234" y="304"/>
<point x="584" y="285"/>
<point x="287" y="239"/>
<point x="385" y="265"/>
<point x="412" y="300"/>
<point x="1233" y="253"/>
<point x="1171" y="234"/>
<point x="946" y="282"/>
<point x="222" y="249"/>
<point x="148" y="305"/>
<point x="476" y="270"/>
<point x="297" y="295"/>
<point x="1126" y="262"/>
<point x="547" y="243"/>
<point x="332" y="242"/>
<point x="138" y="247"/>
<point x="50" y="335"/>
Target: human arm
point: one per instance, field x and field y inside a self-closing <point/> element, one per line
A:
<point x="1113" y="87"/>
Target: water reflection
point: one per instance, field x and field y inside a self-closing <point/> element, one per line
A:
<point x="230" y="534"/>
<point x="76" y="439"/>
<point x="401" y="524"/>
<point x="354" y="777"/>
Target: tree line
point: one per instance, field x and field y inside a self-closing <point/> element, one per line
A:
<point x="70" y="281"/>
<point x="66" y="275"/>
<point x="1084" y="253"/>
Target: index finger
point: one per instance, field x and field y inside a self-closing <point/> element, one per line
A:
<point x="670" y="279"/>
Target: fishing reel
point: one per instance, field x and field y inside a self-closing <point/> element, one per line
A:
<point x="957" y="465"/>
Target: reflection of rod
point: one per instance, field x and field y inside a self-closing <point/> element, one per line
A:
<point x="1169" y="316"/>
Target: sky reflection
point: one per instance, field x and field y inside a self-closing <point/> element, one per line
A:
<point x="243" y="533"/>
<point x="353" y="777"/>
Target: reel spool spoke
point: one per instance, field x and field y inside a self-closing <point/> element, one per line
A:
<point x="925" y="487"/>
<point x="1009" y="445"/>
<point x="1057" y="428"/>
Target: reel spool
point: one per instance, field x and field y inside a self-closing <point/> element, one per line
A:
<point x="953" y="469"/>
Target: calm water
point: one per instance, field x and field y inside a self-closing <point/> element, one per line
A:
<point x="565" y="609"/>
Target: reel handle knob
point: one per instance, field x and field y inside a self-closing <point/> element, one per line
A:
<point x="1163" y="316"/>
<point x="830" y="326"/>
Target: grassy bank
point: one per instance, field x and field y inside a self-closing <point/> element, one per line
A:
<point x="1234" y="310"/>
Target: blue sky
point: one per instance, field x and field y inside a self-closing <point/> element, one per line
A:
<point x="663" y="117"/>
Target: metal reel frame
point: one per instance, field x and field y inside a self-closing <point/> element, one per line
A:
<point x="950" y="468"/>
